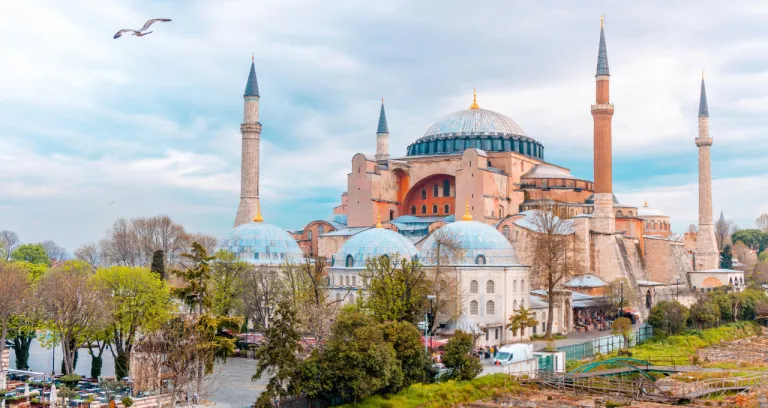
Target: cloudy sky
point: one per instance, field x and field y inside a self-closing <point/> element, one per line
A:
<point x="151" y="124"/>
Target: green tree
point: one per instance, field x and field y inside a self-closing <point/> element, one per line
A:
<point x="22" y="328"/>
<point x="196" y="291"/>
<point x="457" y="357"/>
<point x="705" y="314"/>
<point x="397" y="289"/>
<point x="33" y="253"/>
<point x="723" y="302"/>
<point x="226" y="274"/>
<point x="15" y="292"/>
<point x="405" y="338"/>
<point x="521" y="320"/>
<point x="623" y="326"/>
<point x="158" y="264"/>
<point x="668" y="317"/>
<point x="750" y="237"/>
<point x="278" y="355"/>
<point x="726" y="257"/>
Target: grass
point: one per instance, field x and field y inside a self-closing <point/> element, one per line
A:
<point x="554" y="337"/>
<point x="444" y="394"/>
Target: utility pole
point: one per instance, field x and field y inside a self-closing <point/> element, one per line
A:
<point x="621" y="301"/>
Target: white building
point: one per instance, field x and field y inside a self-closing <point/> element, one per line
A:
<point x="706" y="281"/>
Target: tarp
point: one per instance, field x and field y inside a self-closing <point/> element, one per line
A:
<point x="435" y="342"/>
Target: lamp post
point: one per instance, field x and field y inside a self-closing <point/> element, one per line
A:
<point x="621" y="299"/>
<point x="430" y="316"/>
<point x="677" y="290"/>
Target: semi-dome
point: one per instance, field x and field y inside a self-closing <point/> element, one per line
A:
<point x="372" y="243"/>
<point x="481" y="244"/>
<point x="260" y="243"/>
<point x="478" y="128"/>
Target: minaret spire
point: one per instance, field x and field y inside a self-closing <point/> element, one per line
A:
<point x="602" y="53"/>
<point x="250" y="130"/>
<point x="703" y="108"/>
<point x="706" y="252"/>
<point x="382" y="137"/>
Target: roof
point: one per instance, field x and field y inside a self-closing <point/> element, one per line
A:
<point x="252" y="86"/>
<point x="711" y="271"/>
<point x="481" y="244"/>
<point x="586" y="281"/>
<point x="548" y="171"/>
<point x="475" y="122"/>
<point x="538" y="303"/>
<point x="525" y="222"/>
<point x="463" y="323"/>
<point x="372" y="243"/>
<point x="703" y="108"/>
<point x="602" y="56"/>
<point x="382" y="120"/>
<point x="649" y="283"/>
<point x="346" y="232"/>
<point x="262" y="243"/>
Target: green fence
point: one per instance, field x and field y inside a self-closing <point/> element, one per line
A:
<point x="606" y="344"/>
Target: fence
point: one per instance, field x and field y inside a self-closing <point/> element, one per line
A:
<point x="606" y="344"/>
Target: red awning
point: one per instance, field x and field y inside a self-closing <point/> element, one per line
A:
<point x="435" y="342"/>
<point x="631" y="311"/>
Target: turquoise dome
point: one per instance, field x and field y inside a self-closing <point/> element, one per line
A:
<point x="482" y="245"/>
<point x="372" y="243"/>
<point x="262" y="244"/>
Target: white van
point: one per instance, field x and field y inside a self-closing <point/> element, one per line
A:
<point x="513" y="353"/>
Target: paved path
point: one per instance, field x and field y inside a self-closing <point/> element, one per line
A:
<point x="231" y="387"/>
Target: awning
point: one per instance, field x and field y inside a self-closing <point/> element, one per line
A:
<point x="435" y="342"/>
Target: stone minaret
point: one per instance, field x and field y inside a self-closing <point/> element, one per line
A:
<point x="603" y="219"/>
<point x="382" y="137"/>
<point x="251" y="131"/>
<point x="706" y="253"/>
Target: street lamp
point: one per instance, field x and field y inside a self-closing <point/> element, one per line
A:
<point x="621" y="301"/>
<point x="429" y="317"/>
<point x="677" y="290"/>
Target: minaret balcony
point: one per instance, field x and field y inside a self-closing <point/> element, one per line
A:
<point x="702" y="141"/>
<point x="250" y="127"/>
<point x="602" y="108"/>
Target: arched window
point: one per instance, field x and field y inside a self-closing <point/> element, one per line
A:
<point x="619" y="213"/>
<point x="630" y="214"/>
<point x="730" y="281"/>
<point x="473" y="286"/>
<point x="423" y="209"/>
<point x="473" y="307"/>
<point x="309" y="234"/>
<point x="505" y="232"/>
<point x="514" y="285"/>
<point x="320" y="229"/>
<point x="413" y="210"/>
<point x="423" y="193"/>
<point x="346" y="279"/>
<point x="354" y="281"/>
<point x="434" y="208"/>
<point x="480" y="260"/>
<point x="446" y="188"/>
<point x="435" y="191"/>
<point x="653" y="225"/>
<point x="350" y="261"/>
<point x="490" y="307"/>
<point x="447" y="209"/>
<point x="522" y="286"/>
<point x="514" y="305"/>
<point x="489" y="286"/>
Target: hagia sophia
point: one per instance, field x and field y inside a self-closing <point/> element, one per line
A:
<point x="478" y="175"/>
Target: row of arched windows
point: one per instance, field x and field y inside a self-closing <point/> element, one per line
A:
<point x="350" y="281"/>
<point x="657" y="225"/>
<point x="490" y="307"/>
<point x="490" y="286"/>
<point x="738" y="281"/>
<point x="350" y="298"/>
<point x="446" y="209"/>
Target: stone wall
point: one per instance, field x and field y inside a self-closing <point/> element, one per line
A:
<point x="666" y="261"/>
<point x="329" y="245"/>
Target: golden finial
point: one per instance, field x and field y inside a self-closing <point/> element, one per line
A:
<point x="646" y="203"/>
<point x="702" y="74"/>
<point x="382" y="99"/>
<point x="602" y="21"/>
<point x="474" y="100"/>
<point x="378" y="224"/>
<point x="467" y="216"/>
<point x="258" y="217"/>
<point x="252" y="57"/>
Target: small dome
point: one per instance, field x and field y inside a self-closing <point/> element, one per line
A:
<point x="372" y="243"/>
<point x="544" y="171"/>
<point x="263" y="244"/>
<point x="646" y="211"/>
<point x="482" y="245"/>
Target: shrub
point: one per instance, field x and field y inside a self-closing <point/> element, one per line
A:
<point x="127" y="401"/>
<point x="668" y="317"/>
<point x="457" y="358"/>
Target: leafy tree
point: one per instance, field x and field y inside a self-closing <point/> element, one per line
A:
<point x="457" y="357"/>
<point x="278" y="355"/>
<point x="726" y="257"/>
<point x="158" y="264"/>
<point x="196" y="292"/>
<point x="15" y="292"/>
<point x="723" y="302"/>
<point x="397" y="289"/>
<point x="745" y="303"/>
<point x="521" y="320"/>
<point x="668" y="317"/>
<point x="22" y="328"/>
<point x="33" y="253"/>
<point x="405" y="338"/>
<point x="140" y="303"/>
<point x="750" y="237"/>
<point x="226" y="274"/>
<point x="705" y="314"/>
<point x="763" y="257"/>
<point x="623" y="326"/>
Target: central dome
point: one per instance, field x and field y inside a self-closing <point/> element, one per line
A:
<point x="475" y="128"/>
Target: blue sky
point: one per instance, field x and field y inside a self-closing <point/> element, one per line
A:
<point x="152" y="123"/>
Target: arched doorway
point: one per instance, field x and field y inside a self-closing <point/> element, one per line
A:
<point x="648" y="299"/>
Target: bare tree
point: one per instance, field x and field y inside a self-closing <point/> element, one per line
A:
<point x="209" y="242"/>
<point x="54" y="251"/>
<point x="88" y="253"/>
<point x="74" y="305"/>
<point x="15" y="291"/>
<point x="723" y="231"/>
<point x="762" y="222"/>
<point x="260" y="293"/>
<point x="553" y="245"/>
<point x="447" y="253"/>
<point x="9" y="240"/>
<point x="692" y="228"/>
<point x="131" y="242"/>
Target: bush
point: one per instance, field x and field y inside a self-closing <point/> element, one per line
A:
<point x="463" y="366"/>
<point x="127" y="401"/>
<point x="668" y="317"/>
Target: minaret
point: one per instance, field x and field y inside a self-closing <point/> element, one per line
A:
<point x="382" y="137"/>
<point x="603" y="219"/>
<point x="251" y="132"/>
<point x="706" y="253"/>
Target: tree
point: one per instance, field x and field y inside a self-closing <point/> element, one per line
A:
<point x="623" y="326"/>
<point x="158" y="264"/>
<point x="278" y="355"/>
<point x="705" y="314"/>
<point x="457" y="357"/>
<point x="448" y="252"/>
<point x="140" y="302"/>
<point x="73" y="305"/>
<point x="261" y="291"/>
<point x="553" y="246"/>
<point x="762" y="222"/>
<point x="15" y="291"/>
<point x="692" y="228"/>
<point x="521" y="320"/>
<point x="750" y="237"/>
<point x="88" y="253"/>
<point x="9" y="240"/>
<point x="668" y="317"/>
<point x="226" y="274"/>
<point x="33" y="253"/>
<point x="405" y="338"/>
<point x="397" y="288"/>
<point x="726" y="257"/>
<point x="132" y="242"/>
<point x="22" y="328"/>
<point x="723" y="230"/>
<point x="54" y="252"/>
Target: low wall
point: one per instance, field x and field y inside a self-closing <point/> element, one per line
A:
<point x="5" y="364"/>
<point x="525" y="367"/>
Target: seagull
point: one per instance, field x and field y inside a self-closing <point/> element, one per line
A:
<point x="140" y="32"/>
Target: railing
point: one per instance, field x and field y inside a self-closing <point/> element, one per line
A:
<point x="606" y="344"/>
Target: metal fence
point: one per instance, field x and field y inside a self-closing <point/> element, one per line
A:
<point x="606" y="344"/>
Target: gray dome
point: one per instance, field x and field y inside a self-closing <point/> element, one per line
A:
<point x="482" y="245"/>
<point x="372" y="243"/>
<point x="263" y="244"/>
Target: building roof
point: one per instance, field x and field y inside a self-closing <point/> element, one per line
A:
<point x="261" y="243"/>
<point x="715" y="271"/>
<point x="346" y="232"/>
<point x="538" y="303"/>
<point x="462" y="323"/>
<point x="382" y="128"/>
<point x="703" y="108"/>
<point x="646" y="211"/>
<point x="372" y="243"/>
<point x="252" y="86"/>
<point x="540" y="171"/>
<point x="602" y="55"/>
<point x="649" y="283"/>
<point x="586" y="281"/>
<point x="526" y="222"/>
<point x="476" y="239"/>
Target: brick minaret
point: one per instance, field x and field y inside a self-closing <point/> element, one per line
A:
<point x="382" y="137"/>
<point x="251" y="131"/>
<point x="706" y="253"/>
<point x="603" y="219"/>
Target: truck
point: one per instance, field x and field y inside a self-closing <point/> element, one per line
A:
<point x="513" y="353"/>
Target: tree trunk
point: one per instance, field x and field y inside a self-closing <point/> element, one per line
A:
<point x="122" y="364"/>
<point x="551" y="298"/>
<point x="21" y="346"/>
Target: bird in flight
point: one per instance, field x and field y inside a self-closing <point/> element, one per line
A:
<point x="141" y="32"/>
